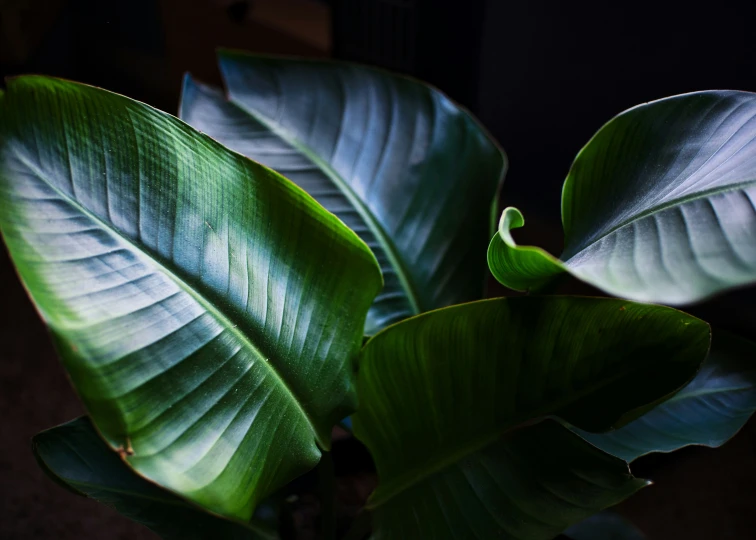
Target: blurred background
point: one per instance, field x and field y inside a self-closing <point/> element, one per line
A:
<point x="542" y="76"/>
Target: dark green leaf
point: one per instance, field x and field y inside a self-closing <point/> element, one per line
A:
<point x="527" y="485"/>
<point x="604" y="526"/>
<point x="408" y="170"/>
<point x="207" y="310"/>
<point x="708" y="411"/>
<point x="660" y="206"/>
<point x="76" y="457"/>
<point x="441" y="393"/>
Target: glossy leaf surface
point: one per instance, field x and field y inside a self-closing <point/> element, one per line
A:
<point x="207" y="310"/>
<point x="709" y="411"/>
<point x="659" y="206"/>
<point x="408" y="170"/>
<point x="75" y="456"/>
<point x="442" y="393"/>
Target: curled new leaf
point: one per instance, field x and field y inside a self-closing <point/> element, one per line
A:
<point x="526" y="267"/>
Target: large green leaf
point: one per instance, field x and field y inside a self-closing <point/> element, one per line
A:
<point x="709" y="411"/>
<point x="208" y="311"/>
<point x="76" y="457"/>
<point x="659" y="206"/>
<point x="408" y="170"/>
<point x="441" y="396"/>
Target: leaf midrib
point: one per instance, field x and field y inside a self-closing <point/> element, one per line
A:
<point x="392" y="253"/>
<point x="660" y="208"/>
<point x="211" y="308"/>
<point x="412" y="477"/>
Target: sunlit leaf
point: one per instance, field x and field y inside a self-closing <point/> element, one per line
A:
<point x="207" y="310"/>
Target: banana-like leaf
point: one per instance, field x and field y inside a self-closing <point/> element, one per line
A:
<point x="604" y="526"/>
<point x="76" y="457"/>
<point x="408" y="170"/>
<point x="659" y="206"/>
<point x="447" y="400"/>
<point x="709" y="411"/>
<point x="208" y="311"/>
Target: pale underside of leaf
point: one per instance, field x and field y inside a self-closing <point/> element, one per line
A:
<point x="684" y="252"/>
<point x="709" y="411"/>
<point x="660" y="205"/>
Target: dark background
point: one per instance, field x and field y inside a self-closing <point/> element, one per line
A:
<point x="542" y="76"/>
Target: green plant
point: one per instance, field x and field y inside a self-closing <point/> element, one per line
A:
<point x="211" y="313"/>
